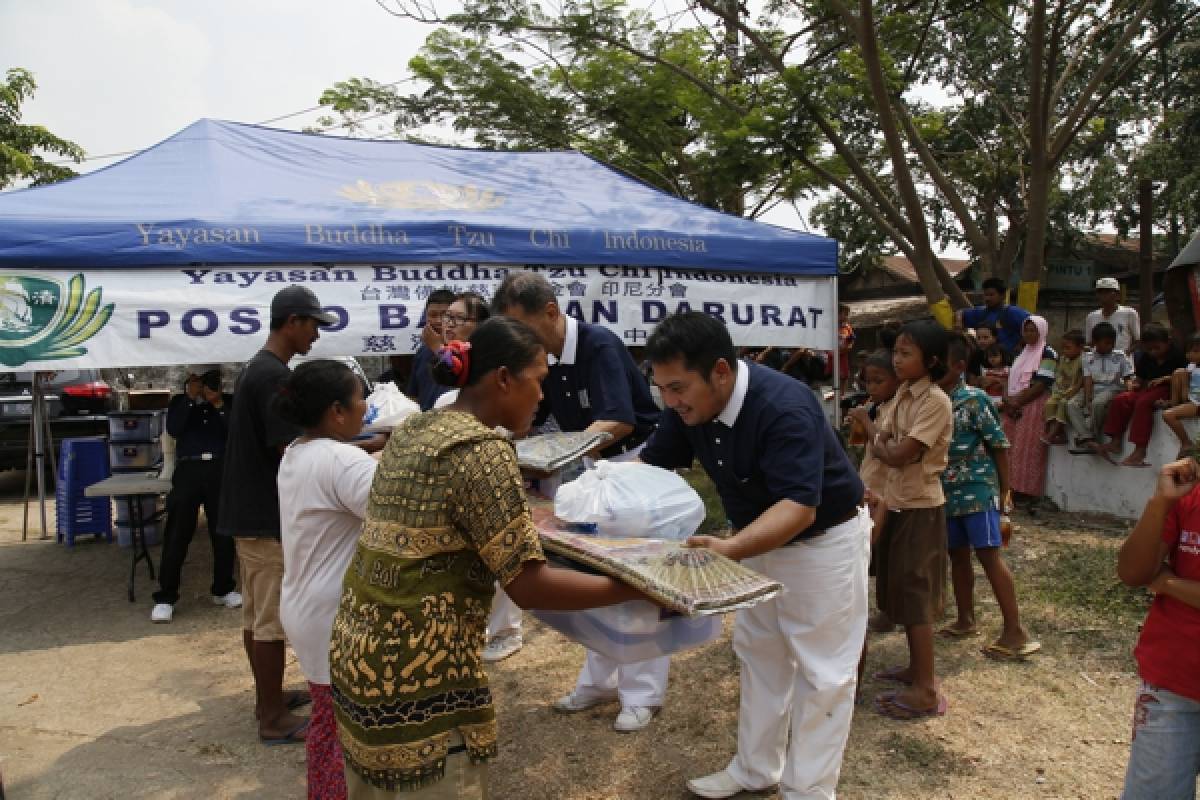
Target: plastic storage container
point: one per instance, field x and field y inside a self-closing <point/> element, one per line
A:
<point x="149" y="507"/>
<point x="134" y="455"/>
<point x="134" y="426"/>
<point x="81" y="463"/>
<point x="633" y="631"/>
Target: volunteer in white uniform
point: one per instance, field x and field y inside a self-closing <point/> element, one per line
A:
<point x="593" y="385"/>
<point x="795" y="502"/>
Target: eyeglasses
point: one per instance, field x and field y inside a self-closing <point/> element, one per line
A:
<point x="454" y="320"/>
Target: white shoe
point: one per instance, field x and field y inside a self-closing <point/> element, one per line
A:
<point x="231" y="600"/>
<point x="163" y="612"/>
<point x="634" y="718"/>
<point x="718" y="785"/>
<point x="501" y="647"/>
<point x="573" y="702"/>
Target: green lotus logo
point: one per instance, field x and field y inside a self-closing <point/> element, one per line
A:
<point x="42" y="320"/>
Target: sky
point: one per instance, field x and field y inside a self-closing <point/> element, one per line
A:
<point x="120" y="75"/>
<point x="123" y="74"/>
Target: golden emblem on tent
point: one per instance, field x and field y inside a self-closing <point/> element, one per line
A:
<point x="43" y="320"/>
<point x="422" y="196"/>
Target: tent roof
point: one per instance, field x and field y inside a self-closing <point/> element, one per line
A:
<point x="227" y="193"/>
<point x="1190" y="254"/>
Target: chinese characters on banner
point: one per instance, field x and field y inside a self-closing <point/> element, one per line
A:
<point x="163" y="316"/>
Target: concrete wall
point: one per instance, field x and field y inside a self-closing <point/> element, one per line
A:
<point x="1089" y="483"/>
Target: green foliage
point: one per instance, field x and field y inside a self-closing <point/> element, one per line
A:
<point x="23" y="148"/>
<point x="738" y="112"/>
<point x="718" y="140"/>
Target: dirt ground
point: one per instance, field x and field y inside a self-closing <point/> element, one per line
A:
<point x="96" y="702"/>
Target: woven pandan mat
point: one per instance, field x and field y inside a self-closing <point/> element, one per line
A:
<point x="689" y="580"/>
<point x="548" y="452"/>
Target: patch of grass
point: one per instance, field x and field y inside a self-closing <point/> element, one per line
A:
<point x="715" y="520"/>
<point x="1083" y="577"/>
<point x="919" y="753"/>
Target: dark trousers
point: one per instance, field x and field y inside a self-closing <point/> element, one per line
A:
<point x="194" y="483"/>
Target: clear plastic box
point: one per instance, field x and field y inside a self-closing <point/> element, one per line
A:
<point x="134" y="426"/>
<point x="633" y="631"/>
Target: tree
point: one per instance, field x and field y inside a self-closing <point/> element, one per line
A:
<point x="23" y="148"/>
<point x="609" y="104"/>
<point x="1170" y="152"/>
<point x="1028" y="87"/>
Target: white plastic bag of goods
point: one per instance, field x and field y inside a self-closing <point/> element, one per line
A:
<point x="631" y="499"/>
<point x="386" y="408"/>
<point x="634" y="631"/>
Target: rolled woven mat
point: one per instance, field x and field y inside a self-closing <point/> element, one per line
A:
<point x="692" y="581"/>
<point x="548" y="452"/>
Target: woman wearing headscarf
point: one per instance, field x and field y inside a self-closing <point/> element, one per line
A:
<point x="1029" y="383"/>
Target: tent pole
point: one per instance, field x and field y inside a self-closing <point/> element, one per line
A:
<point x="39" y="417"/>
<point x="837" y="356"/>
<point x="29" y="448"/>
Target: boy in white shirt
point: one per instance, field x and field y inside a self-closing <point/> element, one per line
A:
<point x="1124" y="319"/>
<point x="1106" y="371"/>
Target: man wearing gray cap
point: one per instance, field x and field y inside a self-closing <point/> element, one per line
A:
<point x="250" y="504"/>
<point x="1124" y="318"/>
<point x="197" y="420"/>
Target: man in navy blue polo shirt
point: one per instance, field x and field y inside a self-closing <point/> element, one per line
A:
<point x="593" y="385"/>
<point x="796" y="506"/>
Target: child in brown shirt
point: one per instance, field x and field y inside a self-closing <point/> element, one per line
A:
<point x="912" y="440"/>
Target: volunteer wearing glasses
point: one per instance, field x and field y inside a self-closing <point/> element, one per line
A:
<point x="593" y="385"/>
<point x="196" y="419"/>
<point x="504" y="623"/>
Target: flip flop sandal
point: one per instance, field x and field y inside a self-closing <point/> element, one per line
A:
<point x="888" y="705"/>
<point x="1142" y="465"/>
<point x="950" y="632"/>
<point x="288" y="738"/>
<point x="297" y="698"/>
<point x="1000" y="652"/>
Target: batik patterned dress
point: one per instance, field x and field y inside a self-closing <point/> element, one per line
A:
<point x="447" y="519"/>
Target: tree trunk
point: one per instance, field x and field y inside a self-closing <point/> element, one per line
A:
<point x="1146" y="249"/>
<point x="931" y="282"/>
<point x="1037" y="189"/>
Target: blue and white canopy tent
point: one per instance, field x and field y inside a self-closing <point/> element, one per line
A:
<point x="178" y="250"/>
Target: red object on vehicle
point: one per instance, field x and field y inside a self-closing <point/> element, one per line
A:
<point x="93" y="389"/>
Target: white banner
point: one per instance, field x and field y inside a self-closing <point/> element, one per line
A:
<point x="54" y="319"/>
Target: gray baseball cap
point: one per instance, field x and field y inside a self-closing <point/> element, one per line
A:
<point x="302" y="302"/>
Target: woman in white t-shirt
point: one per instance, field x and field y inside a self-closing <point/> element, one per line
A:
<point x="461" y="319"/>
<point x="324" y="484"/>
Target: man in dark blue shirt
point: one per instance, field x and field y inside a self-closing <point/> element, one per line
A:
<point x="421" y="385"/>
<point x="593" y="385"/>
<point x="995" y="313"/>
<point x="796" y="505"/>
<point x="196" y="419"/>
